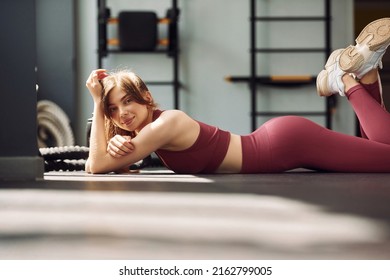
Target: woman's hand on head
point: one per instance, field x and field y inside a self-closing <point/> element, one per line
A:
<point x="93" y="83"/>
<point x="119" y="146"/>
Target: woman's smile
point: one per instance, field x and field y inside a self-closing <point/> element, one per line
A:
<point x="128" y="121"/>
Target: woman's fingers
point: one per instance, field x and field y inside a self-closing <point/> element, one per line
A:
<point x="93" y="82"/>
<point x="95" y="77"/>
<point x="120" y="146"/>
<point x="123" y="143"/>
<point x="102" y="75"/>
<point x="115" y="151"/>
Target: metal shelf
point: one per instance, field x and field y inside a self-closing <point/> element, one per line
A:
<point x="254" y="80"/>
<point x="172" y="49"/>
<point x="275" y="80"/>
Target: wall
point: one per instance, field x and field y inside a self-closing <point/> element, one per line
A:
<point x="56" y="54"/>
<point x="214" y="40"/>
<point x="18" y="136"/>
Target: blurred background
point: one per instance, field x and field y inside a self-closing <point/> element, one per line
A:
<point x="229" y="63"/>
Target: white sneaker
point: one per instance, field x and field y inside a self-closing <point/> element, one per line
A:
<point x="329" y="80"/>
<point x="371" y="45"/>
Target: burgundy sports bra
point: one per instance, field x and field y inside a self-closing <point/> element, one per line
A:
<point x="204" y="156"/>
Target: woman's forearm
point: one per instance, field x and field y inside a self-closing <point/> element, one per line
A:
<point x="98" y="142"/>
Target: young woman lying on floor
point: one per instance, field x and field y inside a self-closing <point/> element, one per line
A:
<point x="127" y="126"/>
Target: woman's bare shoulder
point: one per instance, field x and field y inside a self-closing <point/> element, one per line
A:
<point x="173" y="114"/>
<point x="178" y="130"/>
<point x="174" y="117"/>
<point x="175" y="122"/>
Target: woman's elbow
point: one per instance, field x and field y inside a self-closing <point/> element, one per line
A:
<point x="93" y="167"/>
<point x="87" y="168"/>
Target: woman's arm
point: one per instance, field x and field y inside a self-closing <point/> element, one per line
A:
<point x="152" y="137"/>
<point x="173" y="130"/>
<point x="97" y="134"/>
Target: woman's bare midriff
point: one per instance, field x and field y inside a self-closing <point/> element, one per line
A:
<point x="232" y="162"/>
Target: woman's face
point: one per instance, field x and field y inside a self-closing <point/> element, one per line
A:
<point x="125" y="112"/>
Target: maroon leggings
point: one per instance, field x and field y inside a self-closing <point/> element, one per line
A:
<point x="290" y="142"/>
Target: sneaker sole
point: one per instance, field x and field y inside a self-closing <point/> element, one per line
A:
<point x="322" y="78"/>
<point x="322" y="84"/>
<point x="332" y="58"/>
<point x="374" y="35"/>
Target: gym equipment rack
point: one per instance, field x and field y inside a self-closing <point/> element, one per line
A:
<point x="254" y="80"/>
<point x="172" y="44"/>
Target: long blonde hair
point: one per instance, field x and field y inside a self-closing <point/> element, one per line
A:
<point x="134" y="87"/>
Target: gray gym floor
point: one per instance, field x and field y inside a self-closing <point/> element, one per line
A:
<point x="157" y="214"/>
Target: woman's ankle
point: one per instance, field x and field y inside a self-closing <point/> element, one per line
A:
<point x="370" y="77"/>
<point x="349" y="82"/>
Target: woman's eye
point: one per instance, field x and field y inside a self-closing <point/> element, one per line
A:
<point x="127" y="101"/>
<point x="112" y="110"/>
